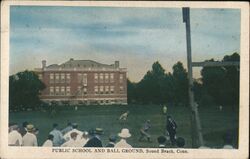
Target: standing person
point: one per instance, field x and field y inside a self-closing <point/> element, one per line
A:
<point x="144" y="131"/>
<point x="67" y="129"/>
<point x="112" y="140"/>
<point x="23" y="129"/>
<point x="95" y="140"/>
<point x="29" y="139"/>
<point x="72" y="142"/>
<point x="164" y="109"/>
<point x="58" y="137"/>
<point x="171" y="129"/>
<point x="124" y="134"/>
<point x="14" y="137"/>
<point x="74" y="126"/>
<point x="49" y="141"/>
<point x="162" y="141"/>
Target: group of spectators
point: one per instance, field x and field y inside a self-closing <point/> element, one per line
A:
<point x="70" y="136"/>
<point x="26" y="135"/>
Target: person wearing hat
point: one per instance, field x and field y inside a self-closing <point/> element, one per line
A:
<point x="162" y="141"/>
<point x="49" y="141"/>
<point x="124" y="134"/>
<point x="74" y="126"/>
<point x="144" y="131"/>
<point x="23" y="129"/>
<point x="180" y="142"/>
<point x="29" y="139"/>
<point x="72" y="142"/>
<point x="67" y="129"/>
<point x="112" y="140"/>
<point x="58" y="137"/>
<point x="14" y="137"/>
<point x="171" y="129"/>
<point x="95" y="140"/>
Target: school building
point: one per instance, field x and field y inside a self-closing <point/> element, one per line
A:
<point x="83" y="82"/>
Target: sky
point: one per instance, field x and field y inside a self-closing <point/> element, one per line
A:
<point x="137" y="37"/>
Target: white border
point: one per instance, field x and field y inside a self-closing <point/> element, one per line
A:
<point x="34" y="152"/>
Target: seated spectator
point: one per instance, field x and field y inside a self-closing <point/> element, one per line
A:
<point x="124" y="134"/>
<point x="14" y="137"/>
<point x="162" y="141"/>
<point x="74" y="126"/>
<point x="84" y="139"/>
<point x="29" y="139"/>
<point x="58" y="137"/>
<point x="49" y="141"/>
<point x="23" y="129"/>
<point x="228" y="140"/>
<point x="67" y="129"/>
<point x="180" y="142"/>
<point x="112" y="140"/>
<point x="95" y="140"/>
<point x="72" y="142"/>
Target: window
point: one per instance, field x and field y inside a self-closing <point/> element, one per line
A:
<point x="40" y="76"/>
<point x="111" y="77"/>
<point x="96" y="78"/>
<point x="57" y="91"/>
<point x="62" y="77"/>
<point x="68" y="77"/>
<point x="57" y="78"/>
<point x="79" y="78"/>
<point x="96" y="89"/>
<point x="107" y="89"/>
<point x="101" y="78"/>
<point x="121" y="78"/>
<point x="121" y="89"/>
<point x="101" y="89"/>
<point x="51" y="91"/>
<point x="85" y="79"/>
<point x="68" y="90"/>
<point x="111" y="89"/>
<point x="79" y="90"/>
<point x="106" y="77"/>
<point x="51" y="78"/>
<point x="84" y="90"/>
<point x="62" y="90"/>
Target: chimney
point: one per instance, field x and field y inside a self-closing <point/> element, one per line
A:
<point x="43" y="64"/>
<point x="116" y="64"/>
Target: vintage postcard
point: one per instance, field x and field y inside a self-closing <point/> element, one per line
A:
<point x="124" y="79"/>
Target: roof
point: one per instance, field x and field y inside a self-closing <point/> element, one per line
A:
<point x="80" y="64"/>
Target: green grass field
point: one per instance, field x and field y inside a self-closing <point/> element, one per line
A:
<point x="214" y="122"/>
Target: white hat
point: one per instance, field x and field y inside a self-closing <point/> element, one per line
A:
<point x="124" y="133"/>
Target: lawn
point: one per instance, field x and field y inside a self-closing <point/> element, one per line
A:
<point x="214" y="122"/>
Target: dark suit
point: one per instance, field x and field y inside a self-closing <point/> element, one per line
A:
<point x="94" y="142"/>
<point x="171" y="128"/>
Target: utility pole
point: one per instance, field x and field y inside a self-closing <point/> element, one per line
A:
<point x="195" y="120"/>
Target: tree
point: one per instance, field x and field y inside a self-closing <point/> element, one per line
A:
<point x="151" y="87"/>
<point x="180" y="81"/>
<point x="222" y="83"/>
<point x="24" y="90"/>
<point x="131" y="87"/>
